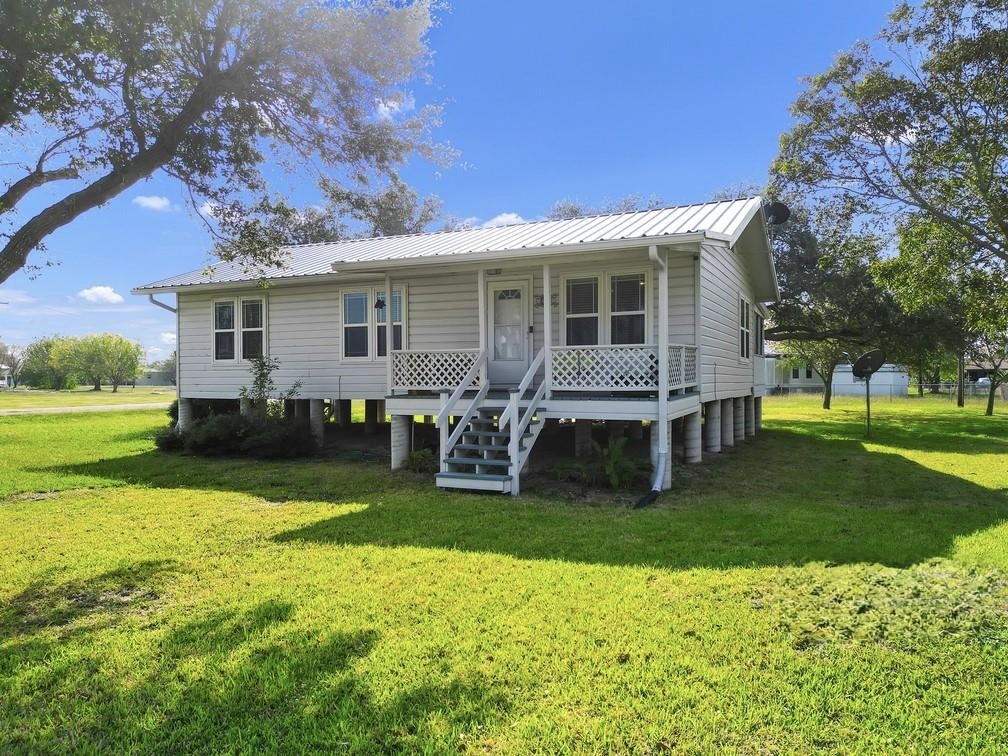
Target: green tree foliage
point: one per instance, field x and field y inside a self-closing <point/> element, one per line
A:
<point x="96" y="96"/>
<point x="572" y="208"/>
<point x="41" y="367"/>
<point x="829" y="301"/>
<point x="122" y="359"/>
<point x="83" y="358"/>
<point x="916" y="124"/>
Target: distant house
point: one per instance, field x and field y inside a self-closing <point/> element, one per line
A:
<point x="654" y="315"/>
<point x="789" y="376"/>
<point x="890" y="380"/>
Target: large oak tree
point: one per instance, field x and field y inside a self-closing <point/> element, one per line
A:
<point x="96" y="96"/>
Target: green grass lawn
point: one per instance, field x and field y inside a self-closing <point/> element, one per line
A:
<point x="18" y="399"/>
<point x="808" y="591"/>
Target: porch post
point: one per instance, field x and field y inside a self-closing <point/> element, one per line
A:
<point x="727" y="422"/>
<point x="482" y="305"/>
<point x="389" y="330"/>
<point x="547" y="331"/>
<point x="712" y="426"/>
<point x="663" y="335"/>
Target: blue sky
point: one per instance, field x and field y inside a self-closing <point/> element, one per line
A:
<point x="590" y="100"/>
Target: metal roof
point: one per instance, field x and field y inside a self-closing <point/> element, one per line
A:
<point x="725" y="220"/>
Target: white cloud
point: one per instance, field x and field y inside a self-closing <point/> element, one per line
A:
<point x="153" y="202"/>
<point x="16" y="297"/>
<point x="503" y="219"/>
<point x="100" y="295"/>
<point x="207" y="209"/>
<point x="387" y="109"/>
<point x="167" y="337"/>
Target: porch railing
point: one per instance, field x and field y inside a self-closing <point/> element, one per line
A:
<point x="619" y="367"/>
<point x="616" y="367"/>
<point x="433" y="369"/>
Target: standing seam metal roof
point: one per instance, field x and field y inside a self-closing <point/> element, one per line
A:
<point x="723" y="220"/>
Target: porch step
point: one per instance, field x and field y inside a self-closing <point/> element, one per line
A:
<point x="483" y="447"/>
<point x="474" y="481"/>
<point x="477" y="461"/>
<point x="495" y="433"/>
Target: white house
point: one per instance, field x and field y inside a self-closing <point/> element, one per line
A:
<point x="653" y="315"/>
<point x="890" y="380"/>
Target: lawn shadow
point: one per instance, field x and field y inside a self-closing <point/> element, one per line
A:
<point x="786" y="499"/>
<point x="250" y="675"/>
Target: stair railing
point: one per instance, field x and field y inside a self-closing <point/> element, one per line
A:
<point x="448" y="405"/>
<point x="517" y="423"/>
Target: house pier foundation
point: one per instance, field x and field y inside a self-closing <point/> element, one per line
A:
<point x="750" y="418"/>
<point x="370" y="415"/>
<point x="616" y="428"/>
<point x="758" y="412"/>
<point x="400" y="440"/>
<point x="582" y="437"/>
<point x="316" y="420"/>
<point x="739" y="417"/>
<point x="343" y="413"/>
<point x="301" y="412"/>
<point x="635" y="429"/>
<point x="691" y="438"/>
<point x="712" y="427"/>
<point x="727" y="422"/>
<point x="245" y="406"/>
<point x="184" y="414"/>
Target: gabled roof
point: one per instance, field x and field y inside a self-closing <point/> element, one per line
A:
<point x="724" y="221"/>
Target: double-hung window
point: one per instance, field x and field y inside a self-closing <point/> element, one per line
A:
<point x="252" y="329"/>
<point x="626" y="302"/>
<point x="760" y="341"/>
<point x="744" y="329"/>
<point x="356" y="323"/>
<point x="582" y="311"/>
<point x="224" y="330"/>
<point x="808" y="372"/>
<point x="365" y="326"/>
<point x="239" y="328"/>
<point x="381" y="315"/>
<point x="795" y="373"/>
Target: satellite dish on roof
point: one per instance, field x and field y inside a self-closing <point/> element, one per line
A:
<point x="868" y="364"/>
<point x="777" y="213"/>
<point x="863" y="367"/>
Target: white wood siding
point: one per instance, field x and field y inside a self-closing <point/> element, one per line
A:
<point x="723" y="280"/>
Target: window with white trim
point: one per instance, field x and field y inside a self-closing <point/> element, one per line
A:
<point x="253" y="330"/>
<point x="808" y="372"/>
<point x="626" y="302"/>
<point x="364" y="323"/>
<point x="356" y="323"/>
<point x="744" y="331"/>
<point x="795" y="373"/>
<point x="381" y="326"/>
<point x="760" y="339"/>
<point x="581" y="315"/>
<point x="224" y="330"/>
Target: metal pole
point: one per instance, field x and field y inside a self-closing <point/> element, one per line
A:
<point x="868" y="404"/>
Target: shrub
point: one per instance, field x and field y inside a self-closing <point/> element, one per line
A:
<point x="202" y="408"/>
<point x="217" y="434"/>
<point x="168" y="439"/>
<point x="273" y="439"/>
<point x="620" y="470"/>
<point x="423" y="461"/>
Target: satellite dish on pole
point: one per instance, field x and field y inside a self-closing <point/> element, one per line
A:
<point x="777" y="213"/>
<point x="864" y="367"/>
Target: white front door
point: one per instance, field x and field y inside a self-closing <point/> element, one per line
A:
<point x="508" y="336"/>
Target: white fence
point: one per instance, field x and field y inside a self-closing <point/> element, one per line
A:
<point x="432" y="370"/>
<point x="620" y="368"/>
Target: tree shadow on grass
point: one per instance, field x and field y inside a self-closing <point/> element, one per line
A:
<point x="788" y="498"/>
<point x="249" y="678"/>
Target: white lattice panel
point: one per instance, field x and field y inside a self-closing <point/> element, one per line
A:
<point x="676" y="367"/>
<point x="432" y="371"/>
<point x="605" y="368"/>
<point x="690" y="374"/>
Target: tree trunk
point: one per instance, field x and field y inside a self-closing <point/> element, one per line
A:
<point x="961" y="383"/>
<point x="115" y="387"/>
<point x="990" y="398"/>
<point x="827" y="395"/>
<point x="97" y="385"/>
<point x="920" y="384"/>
